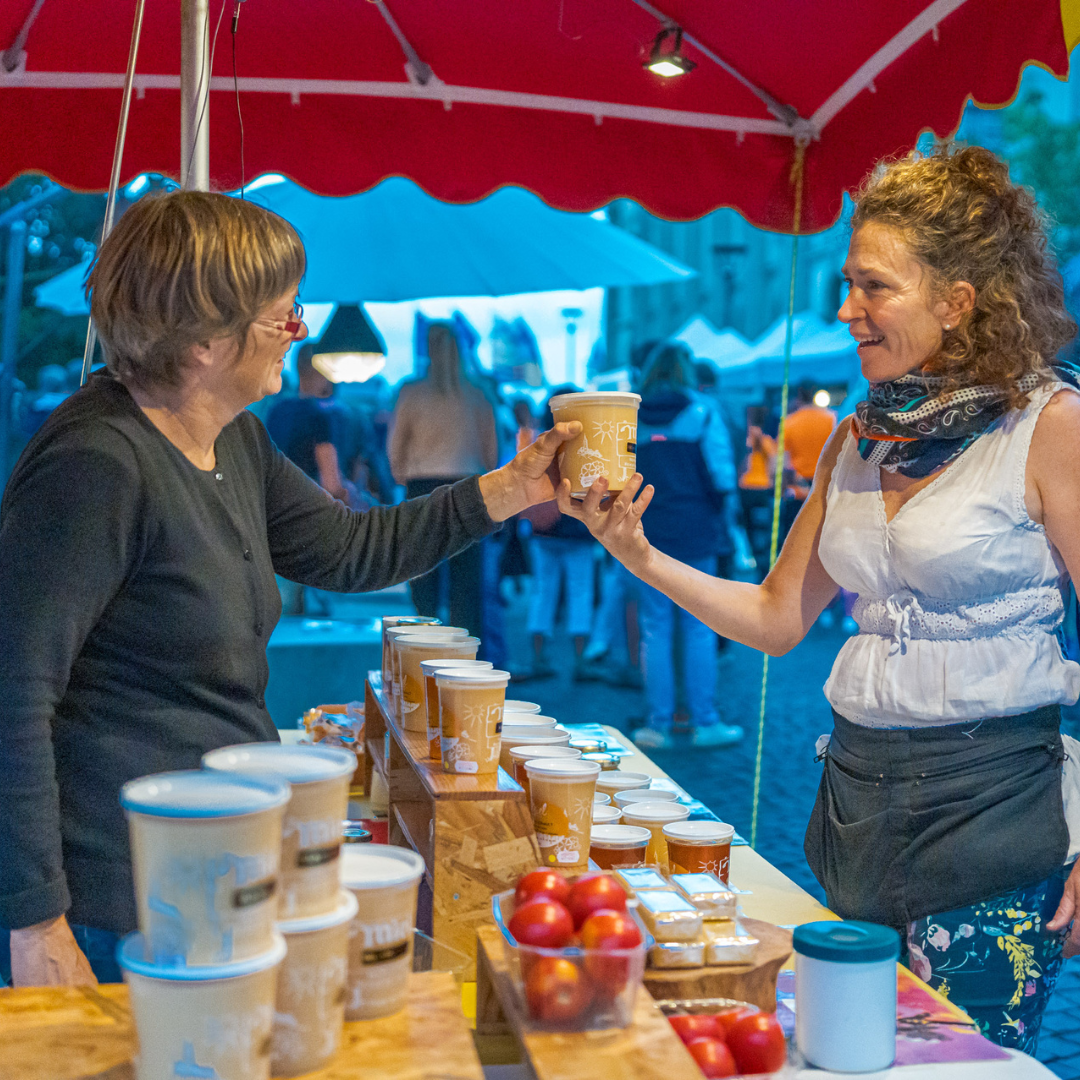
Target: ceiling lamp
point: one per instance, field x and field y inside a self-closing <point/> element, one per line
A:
<point x="670" y="61"/>
<point x="350" y="349"/>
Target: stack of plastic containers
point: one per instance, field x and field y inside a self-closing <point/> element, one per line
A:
<point x="202" y="969"/>
<point x="314" y="911"/>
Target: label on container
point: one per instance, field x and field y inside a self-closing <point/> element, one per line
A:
<point x="466" y="766"/>
<point x="567" y="856"/>
<point x="385" y="953"/>
<point x="317" y="856"/>
<point x="250" y="895"/>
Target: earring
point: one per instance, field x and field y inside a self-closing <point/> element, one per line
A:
<point x="947" y="326"/>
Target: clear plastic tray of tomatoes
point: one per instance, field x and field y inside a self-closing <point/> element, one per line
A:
<point x="572" y="989"/>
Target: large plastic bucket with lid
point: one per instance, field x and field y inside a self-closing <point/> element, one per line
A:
<point x="201" y="1022"/>
<point x="205" y="854"/>
<point x="311" y="838"/>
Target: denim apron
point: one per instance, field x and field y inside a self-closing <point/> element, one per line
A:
<point x="910" y="822"/>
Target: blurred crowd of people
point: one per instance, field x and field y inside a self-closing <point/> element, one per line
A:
<point x="713" y="509"/>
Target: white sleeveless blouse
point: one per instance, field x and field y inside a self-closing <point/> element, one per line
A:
<point x="960" y="595"/>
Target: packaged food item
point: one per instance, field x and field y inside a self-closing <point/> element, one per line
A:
<point x="202" y="1022"/>
<point x="669" y="916"/>
<point x="560" y="794"/>
<point x="729" y="942"/>
<point x="412" y="650"/>
<point x="678" y="954"/>
<point x="696" y="847"/>
<point x="599" y="797"/>
<point x="519" y="755"/>
<point x="310" y="1009"/>
<point x="311" y="839"/>
<point x="644" y="878"/>
<point x="707" y="893"/>
<point x="385" y="880"/>
<point x="617" y="780"/>
<point x="514" y="735"/>
<point x="607" y="445"/>
<point x="515" y="705"/>
<point x="206" y="858"/>
<point x="389" y="622"/>
<point x="450" y="633"/>
<point x="606" y="815"/>
<point x="614" y="846"/>
<point x="654" y="816"/>
<point x="471" y="717"/>
<point x="431" y="697"/>
<point x="649" y="794"/>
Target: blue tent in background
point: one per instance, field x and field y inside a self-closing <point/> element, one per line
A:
<point x="395" y="242"/>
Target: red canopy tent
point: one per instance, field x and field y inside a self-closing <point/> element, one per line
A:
<point x="549" y="94"/>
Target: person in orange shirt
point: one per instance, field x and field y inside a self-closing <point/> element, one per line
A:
<point x="807" y="431"/>
<point x="756" y="487"/>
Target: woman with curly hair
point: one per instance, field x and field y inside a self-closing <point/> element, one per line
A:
<point x="950" y="503"/>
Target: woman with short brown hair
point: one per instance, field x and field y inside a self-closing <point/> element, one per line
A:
<point x="139" y="538"/>
<point x="950" y="503"/>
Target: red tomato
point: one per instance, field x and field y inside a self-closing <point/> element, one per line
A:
<point x="695" y="1026"/>
<point x="556" y="990"/>
<point x="729" y="1017"/>
<point x="712" y="1056"/>
<point x="542" y="923"/>
<point x="757" y="1041"/>
<point x="594" y="892"/>
<point x="601" y="932"/>
<point x="546" y="883"/>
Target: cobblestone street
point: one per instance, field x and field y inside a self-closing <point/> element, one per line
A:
<point x="723" y="778"/>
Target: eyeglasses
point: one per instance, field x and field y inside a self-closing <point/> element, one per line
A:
<point x="291" y="325"/>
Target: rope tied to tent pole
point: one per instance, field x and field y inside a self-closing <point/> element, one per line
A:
<point x="796" y="179"/>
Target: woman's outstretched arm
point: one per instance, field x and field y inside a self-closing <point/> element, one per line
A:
<point x="773" y="616"/>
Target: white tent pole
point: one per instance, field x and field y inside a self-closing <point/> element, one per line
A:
<point x="195" y="95"/>
<point x="114" y="177"/>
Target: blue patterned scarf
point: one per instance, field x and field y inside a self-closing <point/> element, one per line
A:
<point x="914" y="426"/>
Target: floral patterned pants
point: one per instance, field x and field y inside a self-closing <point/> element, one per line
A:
<point x="995" y="959"/>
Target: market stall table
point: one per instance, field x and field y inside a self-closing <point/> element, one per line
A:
<point x="86" y="1034"/>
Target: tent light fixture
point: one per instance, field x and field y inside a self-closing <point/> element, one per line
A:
<point x="350" y="349"/>
<point x="667" y="59"/>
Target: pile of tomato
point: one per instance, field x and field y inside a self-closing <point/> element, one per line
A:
<point x="733" y="1042"/>
<point x="589" y="915"/>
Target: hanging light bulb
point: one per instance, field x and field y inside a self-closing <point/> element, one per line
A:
<point x="350" y="349"/>
<point x="669" y="62"/>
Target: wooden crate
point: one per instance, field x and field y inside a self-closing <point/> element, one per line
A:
<point x="86" y="1034"/>
<point x="474" y="833"/>
<point x="648" y="1049"/>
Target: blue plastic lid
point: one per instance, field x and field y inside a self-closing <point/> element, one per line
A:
<point x="196" y="793"/>
<point x="131" y="956"/>
<point x="296" y="763"/>
<point x="847" y="942"/>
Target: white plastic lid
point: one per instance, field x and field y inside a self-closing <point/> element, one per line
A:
<point x="617" y="780"/>
<point x="347" y="907"/>
<point x="514" y="705"/>
<point x="644" y="794"/>
<point x="131" y="956"/>
<point x="531" y="720"/>
<point x="428" y="629"/>
<point x="700" y="832"/>
<point x="655" y="811"/>
<point x="492" y="677"/>
<point x="561" y="768"/>
<point x="555" y="736"/>
<point x="376" y="866"/>
<point x="605" y="815"/>
<point x="594" y="397"/>
<point x="429" y="667"/>
<point x="197" y="793"/>
<point x="297" y="763"/>
<point x="425" y="641"/>
<point x="528" y="752"/>
<point x="619" y="836"/>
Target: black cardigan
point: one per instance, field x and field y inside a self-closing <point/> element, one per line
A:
<point x="137" y="595"/>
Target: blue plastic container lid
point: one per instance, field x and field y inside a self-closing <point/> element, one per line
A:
<point x="196" y="793"/>
<point x="131" y="956"/>
<point x="847" y="942"/>
<point x="296" y="763"/>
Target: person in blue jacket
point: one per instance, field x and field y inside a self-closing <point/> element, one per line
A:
<point x="685" y="452"/>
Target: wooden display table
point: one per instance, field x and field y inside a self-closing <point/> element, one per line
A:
<point x="648" y="1049"/>
<point x="87" y="1035"/>
<point x="474" y="833"/>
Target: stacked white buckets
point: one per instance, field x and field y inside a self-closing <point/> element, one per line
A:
<point x="240" y="964"/>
